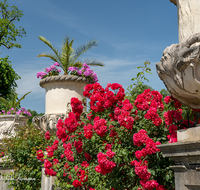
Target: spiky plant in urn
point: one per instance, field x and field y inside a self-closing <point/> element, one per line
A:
<point x="61" y="88"/>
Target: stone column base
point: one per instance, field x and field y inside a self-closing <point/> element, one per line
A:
<point x="186" y="156"/>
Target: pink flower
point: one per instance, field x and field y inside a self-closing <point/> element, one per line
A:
<point x="76" y="183"/>
<point x="47" y="135"/>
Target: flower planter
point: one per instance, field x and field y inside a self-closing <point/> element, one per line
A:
<point x="10" y="123"/>
<point x="59" y="91"/>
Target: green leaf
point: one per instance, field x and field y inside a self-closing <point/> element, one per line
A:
<point x="93" y="138"/>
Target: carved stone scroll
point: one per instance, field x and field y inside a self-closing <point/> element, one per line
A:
<point x="47" y="122"/>
<point x="9" y="128"/>
<point x="179" y="68"/>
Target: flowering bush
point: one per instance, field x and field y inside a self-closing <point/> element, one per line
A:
<point x="49" y="71"/>
<point x="113" y="146"/>
<point x="177" y="117"/>
<point x="85" y="71"/>
<point x="13" y="111"/>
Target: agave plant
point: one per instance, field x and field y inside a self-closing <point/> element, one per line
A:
<point x="68" y="57"/>
<point x="13" y="102"/>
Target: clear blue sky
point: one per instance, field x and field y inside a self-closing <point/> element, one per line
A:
<point x="129" y="32"/>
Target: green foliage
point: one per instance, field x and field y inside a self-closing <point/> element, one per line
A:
<point x="8" y="31"/>
<point x="140" y="75"/>
<point x="21" y="155"/>
<point x="8" y="79"/>
<point x="13" y="102"/>
<point x="138" y="85"/>
<point x="68" y="57"/>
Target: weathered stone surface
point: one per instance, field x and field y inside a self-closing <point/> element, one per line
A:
<point x="47" y="122"/>
<point x="9" y="124"/>
<point x="179" y="68"/>
<point x="191" y="134"/>
<point x="186" y="156"/>
<point x="188" y="18"/>
<point x="3" y="184"/>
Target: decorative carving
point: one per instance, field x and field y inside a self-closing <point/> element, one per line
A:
<point x="7" y="130"/>
<point x="179" y="68"/>
<point x="69" y="108"/>
<point x="64" y="78"/>
<point x="47" y="122"/>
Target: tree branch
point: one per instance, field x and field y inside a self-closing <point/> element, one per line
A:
<point x="8" y="47"/>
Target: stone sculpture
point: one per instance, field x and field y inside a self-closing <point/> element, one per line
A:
<point x="47" y="122"/>
<point x="7" y="128"/>
<point x="179" y="68"/>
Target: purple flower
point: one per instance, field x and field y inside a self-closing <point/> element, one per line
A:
<point x="3" y="111"/>
<point x="59" y="70"/>
<point x="47" y="69"/>
<point x="56" y="64"/>
<point x="41" y="74"/>
<point x="8" y="113"/>
<point x="72" y="69"/>
<point x="85" y="66"/>
<point x="23" y="109"/>
<point x="79" y="72"/>
<point x="52" y="67"/>
<point x="19" y="112"/>
<point x="12" y="109"/>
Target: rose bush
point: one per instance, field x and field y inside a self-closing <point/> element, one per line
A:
<point x="113" y="146"/>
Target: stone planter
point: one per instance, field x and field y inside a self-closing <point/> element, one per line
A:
<point x="10" y="123"/>
<point x="59" y="91"/>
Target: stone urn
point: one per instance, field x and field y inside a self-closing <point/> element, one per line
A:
<point x="9" y="124"/>
<point x="58" y="92"/>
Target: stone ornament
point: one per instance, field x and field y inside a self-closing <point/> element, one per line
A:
<point x="179" y="68"/>
<point x="9" y="128"/>
<point x="63" y="78"/>
<point x="47" y="122"/>
<point x="60" y="89"/>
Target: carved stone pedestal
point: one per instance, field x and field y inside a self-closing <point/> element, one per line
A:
<point x="186" y="156"/>
<point x="9" y="124"/>
<point x="3" y="171"/>
<point x="59" y="91"/>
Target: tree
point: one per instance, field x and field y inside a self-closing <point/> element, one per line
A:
<point x="8" y="31"/>
<point x="8" y="77"/>
<point x="68" y="57"/>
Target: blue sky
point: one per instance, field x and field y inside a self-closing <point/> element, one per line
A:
<point x="129" y="32"/>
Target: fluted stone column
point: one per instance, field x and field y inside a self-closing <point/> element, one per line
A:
<point x="188" y="17"/>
